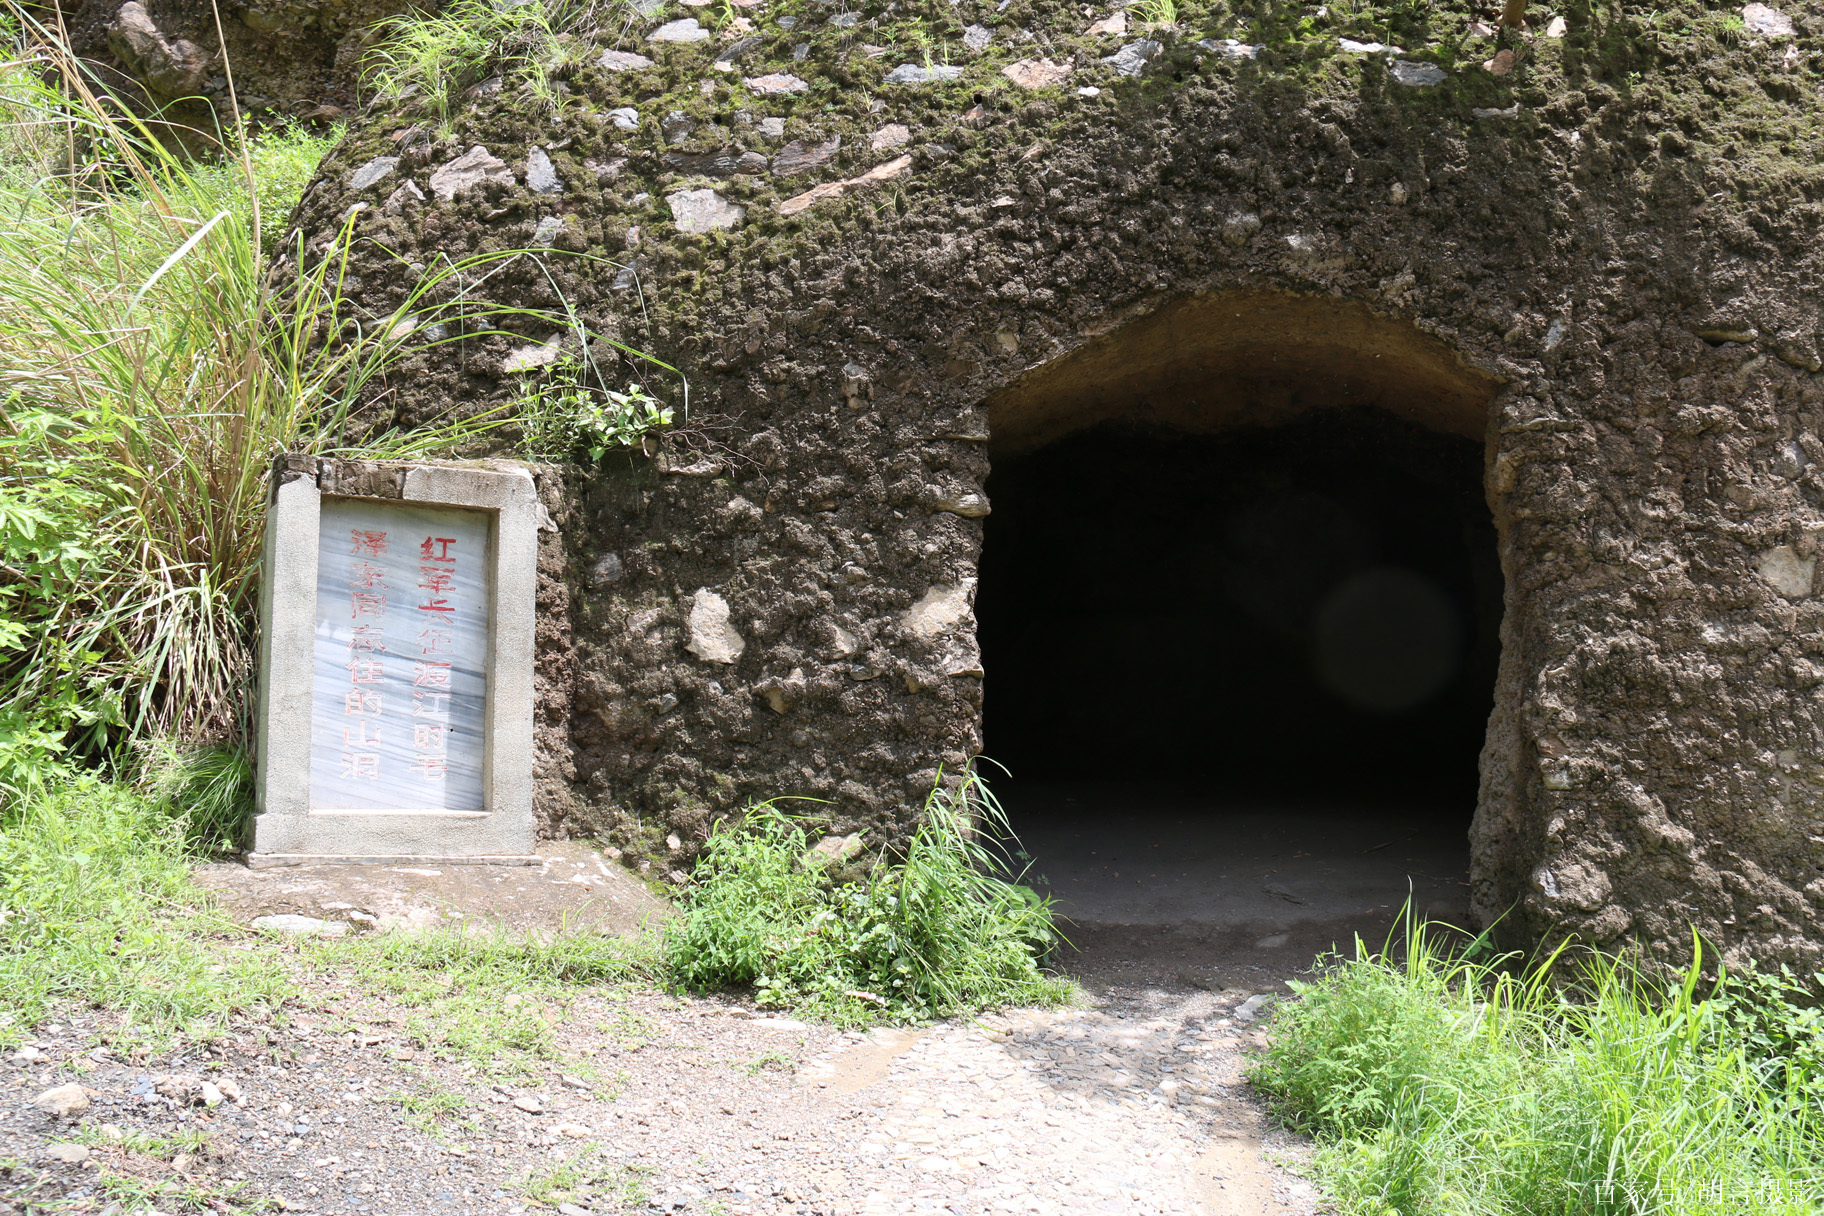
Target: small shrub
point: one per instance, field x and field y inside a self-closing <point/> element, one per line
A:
<point x="929" y="935"/>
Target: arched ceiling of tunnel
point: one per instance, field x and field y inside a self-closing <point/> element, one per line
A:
<point x="1206" y="362"/>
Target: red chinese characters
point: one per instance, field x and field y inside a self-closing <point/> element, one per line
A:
<point x="431" y="676"/>
<point x="363" y="705"/>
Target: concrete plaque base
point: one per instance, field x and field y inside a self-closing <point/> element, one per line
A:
<point x="396" y="664"/>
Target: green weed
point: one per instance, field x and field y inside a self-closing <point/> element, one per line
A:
<point x="934" y="933"/>
<point x="1451" y="1086"/>
<point x="589" y="1177"/>
<point x="1161" y="14"/>
<point x="433" y="59"/>
<point x="434" y="1110"/>
<point x="770" y="1061"/>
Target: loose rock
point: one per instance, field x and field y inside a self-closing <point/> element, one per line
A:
<point x="63" y="1101"/>
<point x="170" y="67"/>
<point x="300" y="926"/>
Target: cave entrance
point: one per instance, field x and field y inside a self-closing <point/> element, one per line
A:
<point x="1239" y="608"/>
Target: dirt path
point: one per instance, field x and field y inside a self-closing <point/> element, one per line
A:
<point x="1132" y="1103"/>
<point x="690" y="1106"/>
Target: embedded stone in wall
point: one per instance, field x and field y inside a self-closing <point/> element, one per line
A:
<point x="1786" y="572"/>
<point x="371" y="172"/>
<point x="623" y="61"/>
<point x="1036" y="73"/>
<point x="712" y="638"/>
<point x="541" y="175"/>
<point x="700" y="211"/>
<point x="472" y="168"/>
<point x="685" y="29"/>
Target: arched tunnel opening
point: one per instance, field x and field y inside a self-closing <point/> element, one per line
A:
<point x="1240" y="622"/>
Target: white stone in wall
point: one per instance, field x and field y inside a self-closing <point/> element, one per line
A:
<point x="624" y="61"/>
<point x="683" y="30"/>
<point x="712" y="638"/>
<point x="1787" y="572"/>
<point x="700" y="211"/>
<point x="473" y="167"/>
<point x="940" y="610"/>
<point x="371" y="172"/>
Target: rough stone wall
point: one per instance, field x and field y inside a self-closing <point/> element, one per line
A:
<point x="288" y="58"/>
<point x="1620" y="232"/>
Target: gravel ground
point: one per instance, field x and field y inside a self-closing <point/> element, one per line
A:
<point x="1132" y="1104"/>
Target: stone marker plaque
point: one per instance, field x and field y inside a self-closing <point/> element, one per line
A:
<point x="400" y="680"/>
<point x="396" y="663"/>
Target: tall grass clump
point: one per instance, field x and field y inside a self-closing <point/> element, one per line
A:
<point x="1447" y="1086"/>
<point x="934" y="933"/>
<point x="150" y="368"/>
<point x="97" y="908"/>
<point x="430" y="59"/>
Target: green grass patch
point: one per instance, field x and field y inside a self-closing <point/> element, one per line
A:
<point x="934" y="933"/>
<point x="489" y="997"/>
<point x="1442" y="1086"/>
<point x="97" y="907"/>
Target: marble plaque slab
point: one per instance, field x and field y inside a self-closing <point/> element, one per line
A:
<point x="399" y="687"/>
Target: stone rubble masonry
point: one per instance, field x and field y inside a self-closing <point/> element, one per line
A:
<point x="1614" y="289"/>
<point x="285" y="831"/>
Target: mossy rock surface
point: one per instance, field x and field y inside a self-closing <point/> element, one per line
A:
<point x="1607" y="255"/>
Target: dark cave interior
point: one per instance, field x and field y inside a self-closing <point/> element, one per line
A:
<point x="1291" y="620"/>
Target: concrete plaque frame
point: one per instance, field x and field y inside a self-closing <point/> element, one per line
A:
<point x="286" y="830"/>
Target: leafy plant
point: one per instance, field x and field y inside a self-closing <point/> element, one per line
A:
<point x="153" y="360"/>
<point x="934" y="933"/>
<point x="207" y="788"/>
<point x="562" y="417"/>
